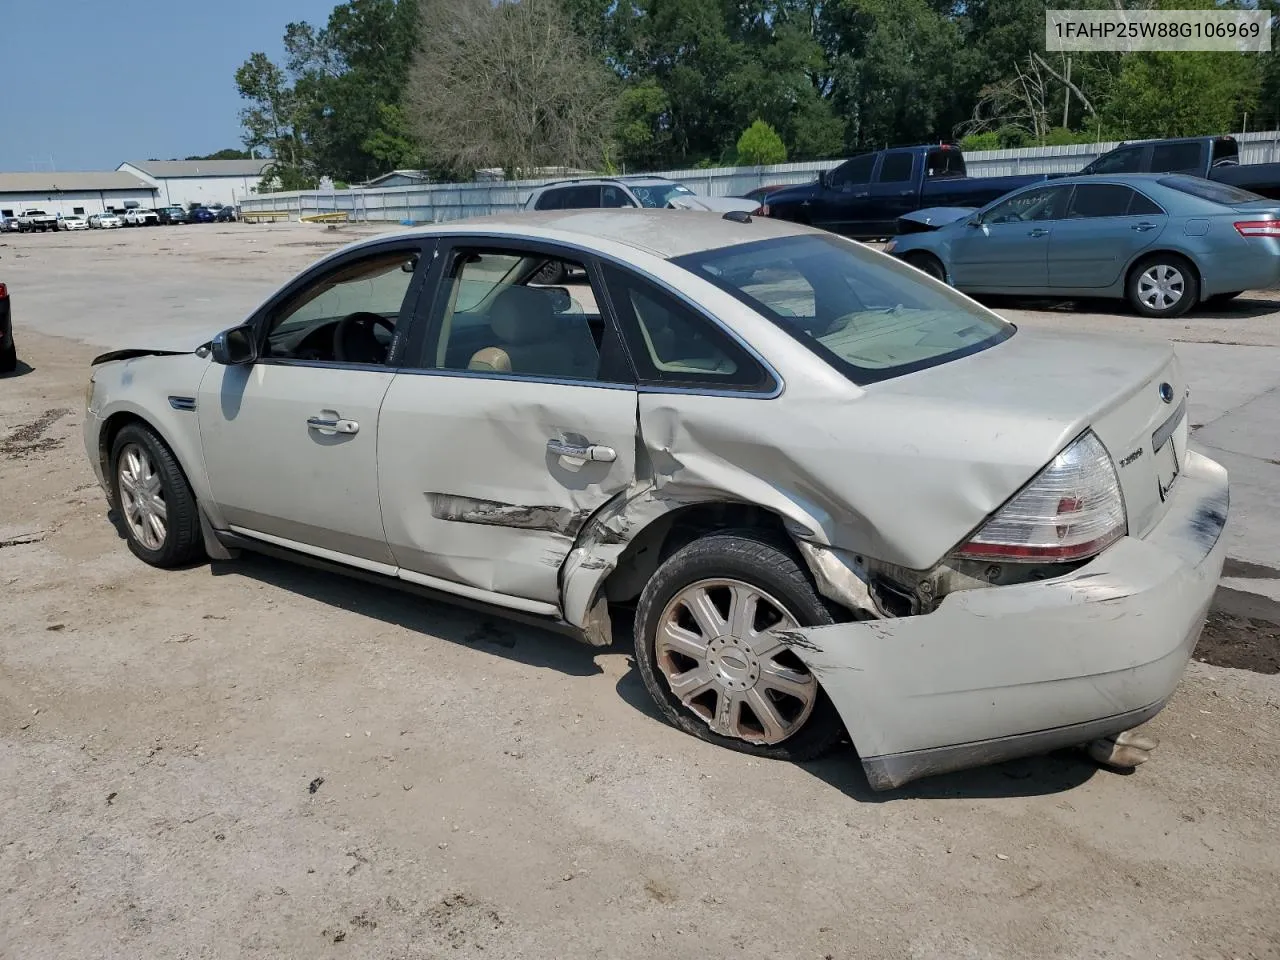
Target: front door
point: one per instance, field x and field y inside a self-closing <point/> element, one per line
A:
<point x="1007" y="246"/>
<point x="844" y="206"/>
<point x="290" y="441"/>
<point x="518" y="423"/>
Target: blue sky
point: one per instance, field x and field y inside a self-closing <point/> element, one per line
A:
<point x="91" y="83"/>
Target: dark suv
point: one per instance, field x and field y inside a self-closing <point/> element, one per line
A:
<point x="8" y="352"/>
<point x="172" y="214"/>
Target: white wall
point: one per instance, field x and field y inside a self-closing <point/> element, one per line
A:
<point x="184" y="191"/>
<point x="66" y="201"/>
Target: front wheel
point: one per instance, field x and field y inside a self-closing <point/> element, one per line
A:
<point x="927" y="263"/>
<point x="708" y="650"/>
<point x="156" y="504"/>
<point x="1163" y="285"/>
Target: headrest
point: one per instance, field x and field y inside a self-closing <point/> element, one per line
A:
<point x="522" y="315"/>
<point x="491" y="360"/>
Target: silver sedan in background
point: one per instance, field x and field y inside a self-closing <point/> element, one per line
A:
<point x="832" y="495"/>
<point x="1161" y="242"/>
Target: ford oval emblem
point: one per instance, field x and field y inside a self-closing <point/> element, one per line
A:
<point x="1166" y="392"/>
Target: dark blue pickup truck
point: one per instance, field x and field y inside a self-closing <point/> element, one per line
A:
<point x="865" y="196"/>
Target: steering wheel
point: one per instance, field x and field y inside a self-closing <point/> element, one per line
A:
<point x="353" y="339"/>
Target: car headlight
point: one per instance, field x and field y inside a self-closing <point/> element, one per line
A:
<point x="1071" y="510"/>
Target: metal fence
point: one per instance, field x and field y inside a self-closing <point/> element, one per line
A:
<point x="439" y="202"/>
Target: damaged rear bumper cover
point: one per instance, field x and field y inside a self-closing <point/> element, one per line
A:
<point x="1009" y="671"/>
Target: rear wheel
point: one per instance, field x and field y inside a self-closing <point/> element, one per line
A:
<point x="156" y="504"/>
<point x="1163" y="285"/>
<point x="709" y="653"/>
<point x="927" y="263"/>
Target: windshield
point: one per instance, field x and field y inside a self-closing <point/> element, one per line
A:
<point x="867" y="315"/>
<point x="659" y="194"/>
<point x="1210" y="190"/>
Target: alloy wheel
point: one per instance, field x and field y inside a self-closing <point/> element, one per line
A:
<point x="718" y="649"/>
<point x="142" y="497"/>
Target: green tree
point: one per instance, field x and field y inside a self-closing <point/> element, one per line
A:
<point x="228" y="154"/>
<point x="1182" y="94"/>
<point x="760" y="145"/>
<point x="270" y="119"/>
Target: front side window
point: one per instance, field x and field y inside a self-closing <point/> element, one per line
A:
<point x="866" y="315"/>
<point x="853" y="172"/>
<point x="1121" y="160"/>
<point x="614" y="197"/>
<point x="498" y="315"/>
<point x="671" y="344"/>
<point x="348" y="315"/>
<point x="896" y="168"/>
<point x="1041" y="203"/>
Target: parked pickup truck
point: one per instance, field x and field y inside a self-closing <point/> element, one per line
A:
<point x="865" y="196"/>
<point x="30" y="220"/>
<point x="1214" y="158"/>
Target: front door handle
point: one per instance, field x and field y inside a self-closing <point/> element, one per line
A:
<point x="581" y="451"/>
<point x="331" y="425"/>
<point x="1143" y="227"/>
<point x="1037" y="232"/>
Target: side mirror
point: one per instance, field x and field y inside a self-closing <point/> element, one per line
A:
<point x="235" y="346"/>
<point x="824" y="180"/>
<point x="974" y="221"/>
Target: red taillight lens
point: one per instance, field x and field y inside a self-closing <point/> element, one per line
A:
<point x="1258" y="228"/>
<point x="4" y="291"/>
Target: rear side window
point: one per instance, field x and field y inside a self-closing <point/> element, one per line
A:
<point x="1210" y="190"/>
<point x="896" y="168"/>
<point x="671" y="344"/>
<point x="866" y="315"/>
<point x="1108" y="200"/>
<point x="570" y="198"/>
<point x="1175" y="157"/>
<point x="550" y="200"/>
<point x="614" y="197"/>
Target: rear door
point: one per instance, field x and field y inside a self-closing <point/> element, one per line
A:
<point x="894" y="191"/>
<point x="514" y="423"/>
<point x="1106" y="226"/>
<point x="1008" y="248"/>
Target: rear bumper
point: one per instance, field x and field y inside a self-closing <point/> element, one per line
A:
<point x="1004" y="672"/>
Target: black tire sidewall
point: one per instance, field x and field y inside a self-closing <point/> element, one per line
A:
<point x="183" y="543"/>
<point x="1191" y="292"/>
<point x="929" y="264"/>
<point x="762" y="561"/>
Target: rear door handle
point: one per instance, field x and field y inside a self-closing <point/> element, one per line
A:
<point x="1037" y="232"/>
<point x="582" y="451"/>
<point x="331" y="425"/>
<point x="1143" y="227"/>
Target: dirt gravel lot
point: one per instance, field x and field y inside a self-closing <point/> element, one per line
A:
<point x="251" y="759"/>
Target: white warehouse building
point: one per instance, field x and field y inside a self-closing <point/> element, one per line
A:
<point x="184" y="182"/>
<point x="73" y="193"/>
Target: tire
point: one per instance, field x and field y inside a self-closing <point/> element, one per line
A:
<point x="181" y="543"/>
<point x="718" y="564"/>
<point x="927" y="263"/>
<point x="1220" y="298"/>
<point x="8" y="358"/>
<point x="1154" y="278"/>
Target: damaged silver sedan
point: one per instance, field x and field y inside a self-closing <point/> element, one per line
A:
<point x="838" y="497"/>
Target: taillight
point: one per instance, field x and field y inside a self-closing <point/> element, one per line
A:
<point x="4" y="291"/>
<point x="1258" y="228"/>
<point x="1071" y="510"/>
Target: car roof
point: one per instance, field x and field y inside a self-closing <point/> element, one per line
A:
<point x="664" y="233"/>
<point x="624" y="180"/>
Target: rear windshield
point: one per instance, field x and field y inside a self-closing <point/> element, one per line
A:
<point x="867" y="315"/>
<point x="1211" y="190"/>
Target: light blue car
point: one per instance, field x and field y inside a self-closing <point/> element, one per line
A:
<point x="1162" y="242"/>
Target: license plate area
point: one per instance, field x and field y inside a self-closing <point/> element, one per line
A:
<point x="1166" y="451"/>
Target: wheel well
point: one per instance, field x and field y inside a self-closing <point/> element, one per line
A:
<point x="107" y="437"/>
<point x="668" y="533"/>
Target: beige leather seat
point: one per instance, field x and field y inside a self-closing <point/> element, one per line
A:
<point x="533" y="340"/>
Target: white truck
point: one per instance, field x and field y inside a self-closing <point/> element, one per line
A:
<point x="32" y="220"/>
